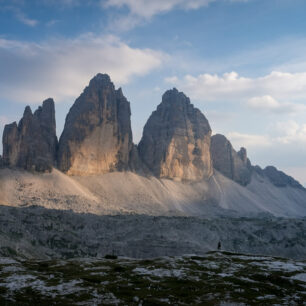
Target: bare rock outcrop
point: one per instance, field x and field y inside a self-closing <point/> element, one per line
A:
<point x="176" y="140"/>
<point x="97" y="136"/>
<point x="232" y="164"/>
<point x="32" y="144"/>
<point x="278" y="178"/>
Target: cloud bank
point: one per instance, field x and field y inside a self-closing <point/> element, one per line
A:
<point x="60" y="69"/>
<point x="263" y="93"/>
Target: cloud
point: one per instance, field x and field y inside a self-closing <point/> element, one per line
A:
<point x="25" y="20"/>
<point x="15" y="8"/>
<point x="62" y="68"/>
<point x="271" y="105"/>
<point x="148" y="8"/>
<point x="280" y="134"/>
<point x="289" y="132"/>
<point x="284" y="146"/>
<point x="140" y="11"/>
<point x="248" y="140"/>
<point x="232" y="87"/>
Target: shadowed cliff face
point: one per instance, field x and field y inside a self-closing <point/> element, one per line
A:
<point x="97" y="137"/>
<point x="176" y="140"/>
<point x="232" y="164"/>
<point x="277" y="177"/>
<point x="32" y="144"/>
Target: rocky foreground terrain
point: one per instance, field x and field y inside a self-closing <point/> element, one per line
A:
<point x="215" y="278"/>
<point x="35" y="232"/>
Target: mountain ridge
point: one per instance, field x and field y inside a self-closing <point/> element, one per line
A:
<point x="130" y="156"/>
<point x="176" y="144"/>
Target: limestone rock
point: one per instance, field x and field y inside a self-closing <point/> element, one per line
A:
<point x="280" y="179"/>
<point x="176" y="140"/>
<point x="97" y="136"/>
<point x="135" y="162"/>
<point x="232" y="164"/>
<point x="32" y="144"/>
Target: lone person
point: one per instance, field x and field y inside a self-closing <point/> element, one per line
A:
<point x="219" y="245"/>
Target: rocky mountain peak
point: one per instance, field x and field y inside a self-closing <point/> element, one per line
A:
<point x="32" y="144"/>
<point x="100" y="78"/>
<point x="97" y="136"/>
<point x="27" y="112"/>
<point x="242" y="153"/>
<point x="100" y="82"/>
<point x="278" y="178"/>
<point x="226" y="160"/>
<point x="174" y="96"/>
<point x="176" y="140"/>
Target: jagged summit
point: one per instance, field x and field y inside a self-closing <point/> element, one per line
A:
<point x="100" y="77"/>
<point x="32" y="144"/>
<point x="27" y="112"/>
<point x="97" y="136"/>
<point x="226" y="160"/>
<point x="176" y="140"/>
<point x="278" y="178"/>
<point x="174" y="96"/>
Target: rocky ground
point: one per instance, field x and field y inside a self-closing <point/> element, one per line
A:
<point x="37" y="232"/>
<point x="216" y="278"/>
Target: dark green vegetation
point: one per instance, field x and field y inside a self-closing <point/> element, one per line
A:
<point x="211" y="279"/>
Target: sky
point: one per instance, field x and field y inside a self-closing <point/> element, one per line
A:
<point x="241" y="62"/>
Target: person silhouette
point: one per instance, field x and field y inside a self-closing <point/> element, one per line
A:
<point x="219" y="245"/>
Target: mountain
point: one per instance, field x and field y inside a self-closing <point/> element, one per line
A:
<point x="97" y="136"/>
<point x="176" y="140"/>
<point x="232" y="164"/>
<point x="178" y="168"/>
<point x="32" y="144"/>
<point x="278" y="178"/>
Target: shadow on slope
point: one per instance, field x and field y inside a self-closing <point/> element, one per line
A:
<point x="37" y="232"/>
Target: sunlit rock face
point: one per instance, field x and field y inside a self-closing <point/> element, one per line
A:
<point x="97" y="136"/>
<point x="232" y="164"/>
<point x="32" y="144"/>
<point x="176" y="140"/>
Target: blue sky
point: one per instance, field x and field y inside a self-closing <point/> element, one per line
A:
<point x="242" y="62"/>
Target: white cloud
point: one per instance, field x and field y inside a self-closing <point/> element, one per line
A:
<point x="289" y="132"/>
<point x="248" y="140"/>
<point x="280" y="134"/>
<point x="269" y="104"/>
<point x="25" y="20"/>
<point x="283" y="145"/>
<point x="15" y="7"/>
<point x="148" y="8"/>
<point x="61" y="68"/>
<point x="144" y="10"/>
<point x="232" y="87"/>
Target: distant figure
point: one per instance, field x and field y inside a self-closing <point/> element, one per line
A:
<point x="219" y="245"/>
